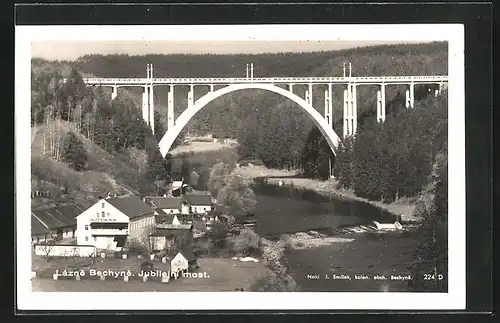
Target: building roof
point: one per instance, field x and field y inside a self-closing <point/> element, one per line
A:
<point x="166" y="218"/>
<point x="170" y="226"/>
<point x="37" y="228"/>
<point x="188" y="254"/>
<point x="59" y="216"/>
<point x="198" y="199"/>
<point x="160" y="212"/>
<point x="171" y="230"/>
<point x="131" y="206"/>
<point x="161" y="202"/>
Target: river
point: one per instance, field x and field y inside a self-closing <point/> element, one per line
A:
<point x="282" y="210"/>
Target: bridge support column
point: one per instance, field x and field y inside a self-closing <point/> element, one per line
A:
<point x="290" y="88"/>
<point x="382" y="101"/>
<point x="151" y="122"/>
<point x="327" y="108"/>
<point x="191" y="97"/>
<point x="330" y="104"/>
<point x="407" y="100"/>
<point x="412" y="95"/>
<point x="354" y="109"/>
<point x="307" y="97"/>
<point x="145" y="105"/>
<point x="211" y="87"/>
<point x="114" y="93"/>
<point x="350" y="111"/>
<point x="170" y="108"/>
<point x="310" y="93"/>
<point x="379" y="107"/>
<point x="381" y="104"/>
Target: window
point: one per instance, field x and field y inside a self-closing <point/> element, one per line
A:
<point x="107" y="214"/>
<point x="95" y="238"/>
<point x="97" y="214"/>
<point x="86" y="239"/>
<point x="86" y="227"/>
<point x="103" y="214"/>
<point x="103" y="205"/>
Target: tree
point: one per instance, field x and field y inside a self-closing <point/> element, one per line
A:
<point x="156" y="169"/>
<point x="237" y="196"/>
<point x="185" y="169"/>
<point x="246" y="241"/>
<point x="218" y="175"/>
<point x="47" y="247"/>
<point x="74" y="152"/>
<point x="193" y="178"/>
<point x="431" y="256"/>
<point x="218" y="233"/>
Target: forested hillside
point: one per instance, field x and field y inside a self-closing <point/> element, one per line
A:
<point x="266" y="125"/>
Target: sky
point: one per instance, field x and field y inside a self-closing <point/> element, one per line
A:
<point x="71" y="50"/>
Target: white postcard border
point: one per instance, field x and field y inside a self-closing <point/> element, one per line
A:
<point x="454" y="299"/>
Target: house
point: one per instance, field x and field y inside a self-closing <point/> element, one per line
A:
<point x="169" y="205"/>
<point x="170" y="219"/>
<point x="178" y="187"/>
<point x="39" y="233"/>
<point x="166" y="236"/>
<point x="198" y="203"/>
<point x="183" y="262"/>
<point x="55" y="222"/>
<point x="111" y="221"/>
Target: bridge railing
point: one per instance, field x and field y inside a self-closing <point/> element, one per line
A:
<point x="362" y="79"/>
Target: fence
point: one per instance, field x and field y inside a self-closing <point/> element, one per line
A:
<point x="64" y="250"/>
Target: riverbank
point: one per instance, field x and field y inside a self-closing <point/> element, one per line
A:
<point x="326" y="188"/>
<point x="311" y="239"/>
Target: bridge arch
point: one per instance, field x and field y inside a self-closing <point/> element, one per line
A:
<point x="169" y="137"/>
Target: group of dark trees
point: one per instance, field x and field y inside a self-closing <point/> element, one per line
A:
<point x="388" y="160"/>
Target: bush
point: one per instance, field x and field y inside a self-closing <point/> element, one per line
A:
<point x="246" y="242"/>
<point x="136" y="247"/>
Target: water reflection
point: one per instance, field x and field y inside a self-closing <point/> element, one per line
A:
<point x="285" y="210"/>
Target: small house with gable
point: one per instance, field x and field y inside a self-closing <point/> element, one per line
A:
<point x="183" y="262"/>
<point x="198" y="203"/>
<point x="167" y="204"/>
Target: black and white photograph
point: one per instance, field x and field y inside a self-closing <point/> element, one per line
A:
<point x="279" y="166"/>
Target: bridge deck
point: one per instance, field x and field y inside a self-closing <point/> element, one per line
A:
<point x="269" y="80"/>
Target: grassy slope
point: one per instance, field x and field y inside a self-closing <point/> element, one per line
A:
<point x="105" y="172"/>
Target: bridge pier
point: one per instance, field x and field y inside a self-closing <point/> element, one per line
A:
<point x="191" y="97"/>
<point x="148" y="106"/>
<point x="350" y="111"/>
<point x="151" y="119"/>
<point x="330" y="104"/>
<point x="310" y="94"/>
<point x="307" y="97"/>
<point x="381" y="104"/>
<point x="114" y="94"/>
<point x="412" y="94"/>
<point x="145" y="104"/>
<point x="326" y="114"/>
<point x="290" y="88"/>
<point x="170" y="108"/>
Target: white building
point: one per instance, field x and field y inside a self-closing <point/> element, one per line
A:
<point x="169" y="205"/>
<point x="199" y="203"/>
<point x="110" y="222"/>
<point x="184" y="261"/>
